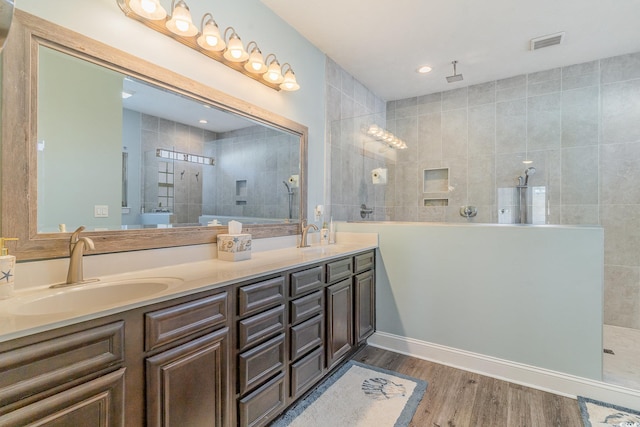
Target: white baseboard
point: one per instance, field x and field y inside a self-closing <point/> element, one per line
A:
<point x="518" y="373"/>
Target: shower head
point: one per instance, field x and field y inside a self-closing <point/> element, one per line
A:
<point x="456" y="77"/>
<point x="530" y="171"/>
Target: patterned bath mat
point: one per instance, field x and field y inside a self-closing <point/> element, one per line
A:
<point x="358" y="395"/>
<point x="600" y="414"/>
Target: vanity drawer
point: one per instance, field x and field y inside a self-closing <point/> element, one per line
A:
<point x="255" y="329"/>
<point x="306" y="336"/>
<point x="307" y="281"/>
<point x="171" y="324"/>
<point x="52" y="363"/>
<point x="364" y="261"/>
<point x="258" y="364"/>
<point x="306" y="372"/>
<point x="259" y="296"/>
<point x="339" y="270"/>
<point x="260" y="407"/>
<point x="306" y="307"/>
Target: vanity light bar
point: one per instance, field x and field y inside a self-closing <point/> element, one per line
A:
<point x="185" y="157"/>
<point x="225" y="47"/>
<point x="386" y="137"/>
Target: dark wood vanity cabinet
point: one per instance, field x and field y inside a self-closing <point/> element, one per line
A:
<point x="187" y="384"/>
<point x="261" y="351"/>
<point x="238" y="355"/>
<point x="67" y="378"/>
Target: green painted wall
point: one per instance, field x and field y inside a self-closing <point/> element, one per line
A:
<point x="527" y="294"/>
<point x="80" y="165"/>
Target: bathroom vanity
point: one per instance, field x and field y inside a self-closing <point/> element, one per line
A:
<point x="231" y="352"/>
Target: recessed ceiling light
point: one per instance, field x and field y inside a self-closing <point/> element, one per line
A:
<point x="203" y="121"/>
<point x="424" y="69"/>
<point x="126" y="94"/>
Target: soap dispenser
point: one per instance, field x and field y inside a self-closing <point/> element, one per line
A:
<point x="7" y="266"/>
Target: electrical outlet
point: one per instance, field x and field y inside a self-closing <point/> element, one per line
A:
<point x="101" y="211"/>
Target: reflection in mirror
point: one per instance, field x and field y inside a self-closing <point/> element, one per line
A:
<point x="145" y="157"/>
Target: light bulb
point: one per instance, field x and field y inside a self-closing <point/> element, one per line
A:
<point x="148" y="6"/>
<point x="182" y="25"/>
<point x="211" y="40"/>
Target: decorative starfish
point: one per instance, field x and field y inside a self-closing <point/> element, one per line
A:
<point x="6" y="275"/>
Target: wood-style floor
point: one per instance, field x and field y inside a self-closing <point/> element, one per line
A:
<point x="457" y="398"/>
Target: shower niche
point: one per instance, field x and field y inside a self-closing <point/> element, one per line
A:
<point x="435" y="186"/>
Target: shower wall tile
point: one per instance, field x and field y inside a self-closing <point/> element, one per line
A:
<point x="408" y="213"/>
<point x="348" y="84"/>
<point x="620" y="112"/>
<point x="511" y="126"/>
<point x="458" y="178"/>
<point x="429" y="104"/>
<point x="484" y="93"/>
<point x="511" y="88"/>
<point x="454" y="133"/>
<point x="580" y="215"/>
<point x="347" y="106"/>
<point x="544" y="82"/>
<point x="622" y="296"/>
<point x="580" y="116"/>
<point x="544" y="122"/>
<point x="431" y="213"/>
<point x="333" y="102"/>
<point x="333" y="73"/>
<point x="508" y="168"/>
<point x="482" y="130"/>
<point x="481" y="185"/>
<point x="580" y="176"/>
<point x="430" y="137"/>
<point x="149" y="123"/>
<point x="454" y="99"/>
<point x="581" y="75"/>
<point x="620" y="173"/>
<point x="620" y="68"/>
<point x="621" y="234"/>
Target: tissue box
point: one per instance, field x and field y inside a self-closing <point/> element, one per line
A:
<point x="234" y="247"/>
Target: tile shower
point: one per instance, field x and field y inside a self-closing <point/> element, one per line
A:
<point x="246" y="180"/>
<point x="578" y="125"/>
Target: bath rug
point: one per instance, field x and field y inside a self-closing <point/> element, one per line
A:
<point x="600" y="414"/>
<point x="358" y="395"/>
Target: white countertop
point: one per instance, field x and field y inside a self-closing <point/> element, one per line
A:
<point x="192" y="278"/>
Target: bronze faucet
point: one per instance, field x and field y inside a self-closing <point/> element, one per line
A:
<point x="305" y="231"/>
<point x="77" y="246"/>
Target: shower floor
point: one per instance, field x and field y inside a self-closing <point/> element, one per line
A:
<point x="621" y="368"/>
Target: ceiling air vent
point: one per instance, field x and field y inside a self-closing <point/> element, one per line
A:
<point x="546" y="41"/>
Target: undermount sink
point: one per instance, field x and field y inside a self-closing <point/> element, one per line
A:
<point x="91" y="295"/>
<point x="320" y="250"/>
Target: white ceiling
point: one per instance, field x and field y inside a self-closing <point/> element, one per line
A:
<point x="157" y="102"/>
<point x="382" y="42"/>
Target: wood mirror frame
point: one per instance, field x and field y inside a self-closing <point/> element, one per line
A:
<point x="19" y="134"/>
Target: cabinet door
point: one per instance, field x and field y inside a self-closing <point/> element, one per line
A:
<point x="99" y="402"/>
<point x="339" y="321"/>
<point x="187" y="385"/>
<point x="365" y="305"/>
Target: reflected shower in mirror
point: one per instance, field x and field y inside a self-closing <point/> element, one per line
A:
<point x="115" y="152"/>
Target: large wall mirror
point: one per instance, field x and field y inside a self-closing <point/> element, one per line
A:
<point x="140" y="156"/>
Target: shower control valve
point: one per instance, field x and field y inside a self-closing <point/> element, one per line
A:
<point x="468" y="211"/>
